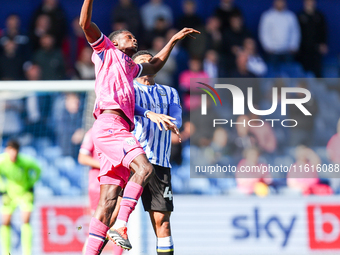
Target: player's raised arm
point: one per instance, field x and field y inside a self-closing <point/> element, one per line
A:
<point x="90" y="29"/>
<point x="158" y="61"/>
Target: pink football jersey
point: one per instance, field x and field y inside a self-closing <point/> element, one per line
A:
<point x="115" y="72"/>
<point x="87" y="146"/>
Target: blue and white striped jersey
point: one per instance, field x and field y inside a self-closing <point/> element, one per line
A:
<point x="156" y="143"/>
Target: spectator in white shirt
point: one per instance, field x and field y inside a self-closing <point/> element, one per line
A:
<point x="154" y="9"/>
<point x="279" y="33"/>
<point x="210" y="64"/>
<point x="255" y="64"/>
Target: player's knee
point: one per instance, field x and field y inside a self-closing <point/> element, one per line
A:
<point x="163" y="220"/>
<point x="163" y="227"/>
<point x="147" y="170"/>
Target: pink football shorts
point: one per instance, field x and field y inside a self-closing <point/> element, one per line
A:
<point x="116" y="148"/>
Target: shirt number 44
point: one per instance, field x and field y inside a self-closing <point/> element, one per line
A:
<point x="167" y="193"/>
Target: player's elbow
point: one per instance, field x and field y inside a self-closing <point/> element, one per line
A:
<point x="154" y="66"/>
<point x="83" y="23"/>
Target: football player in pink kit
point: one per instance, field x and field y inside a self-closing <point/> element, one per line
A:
<point x="119" y="151"/>
<point x="88" y="156"/>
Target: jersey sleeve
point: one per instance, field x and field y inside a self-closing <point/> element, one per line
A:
<point x="102" y="44"/>
<point x="87" y="146"/>
<point x="175" y="108"/>
<point x="135" y="69"/>
<point x="131" y="68"/>
<point x="174" y="97"/>
<point x="140" y="111"/>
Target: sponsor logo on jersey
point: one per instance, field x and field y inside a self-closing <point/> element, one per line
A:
<point x="162" y="92"/>
<point x="130" y="141"/>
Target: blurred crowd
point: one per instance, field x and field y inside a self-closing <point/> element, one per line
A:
<point x="287" y="43"/>
<point x="226" y="48"/>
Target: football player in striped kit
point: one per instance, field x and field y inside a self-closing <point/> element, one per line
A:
<point x="157" y="195"/>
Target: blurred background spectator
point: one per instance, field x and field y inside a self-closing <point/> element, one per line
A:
<point x="264" y="136"/>
<point x="128" y="12"/>
<point x="307" y="182"/>
<point x="50" y="59"/>
<point x="233" y="39"/>
<point x="165" y="75"/>
<point x="190" y="18"/>
<point x="213" y="34"/>
<point x="13" y="32"/>
<point x="84" y="66"/>
<point x="241" y="69"/>
<point x="42" y="26"/>
<point x="68" y="109"/>
<point x="154" y="10"/>
<point x="313" y="37"/>
<point x="255" y="64"/>
<point x="11" y="62"/>
<point x="13" y="124"/>
<point x="160" y="29"/>
<point x="210" y="63"/>
<point x="243" y="138"/>
<point x="333" y="146"/>
<point x="73" y="46"/>
<point x="252" y="182"/>
<point x="200" y="133"/>
<point x="225" y="9"/>
<point x="33" y="112"/>
<point x="210" y="38"/>
<point x="190" y="101"/>
<point x="57" y="20"/>
<point x="279" y="33"/>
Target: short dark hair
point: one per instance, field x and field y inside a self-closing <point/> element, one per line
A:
<point x="13" y="144"/>
<point x="114" y="34"/>
<point x="140" y="53"/>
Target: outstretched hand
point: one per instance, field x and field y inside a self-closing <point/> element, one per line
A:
<point x="161" y="118"/>
<point x="184" y="33"/>
<point x="175" y="130"/>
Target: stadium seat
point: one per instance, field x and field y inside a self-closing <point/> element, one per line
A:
<point x="286" y="191"/>
<point x="225" y="184"/>
<point x="42" y="191"/>
<point x="29" y="150"/>
<point x="52" y="152"/>
<point x="64" y="185"/>
<point x="199" y="186"/>
<point x="177" y="184"/>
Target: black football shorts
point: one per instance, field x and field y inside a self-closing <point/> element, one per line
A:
<point x="157" y="194"/>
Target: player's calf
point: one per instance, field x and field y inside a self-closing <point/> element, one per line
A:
<point x="143" y="171"/>
<point x="162" y="227"/>
<point x="102" y="218"/>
